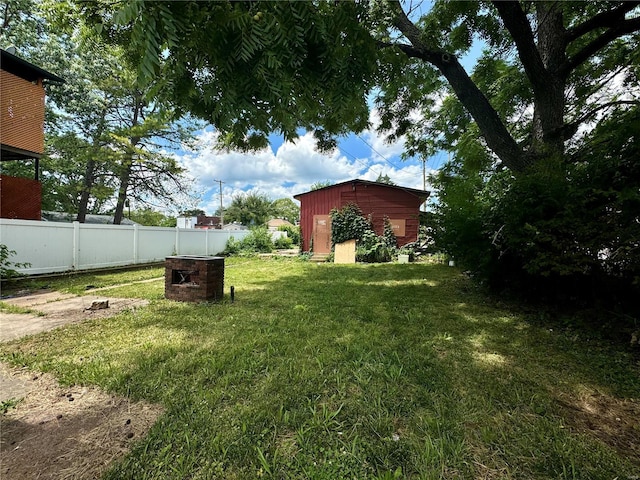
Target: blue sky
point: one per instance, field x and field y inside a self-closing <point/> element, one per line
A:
<point x="288" y="168"/>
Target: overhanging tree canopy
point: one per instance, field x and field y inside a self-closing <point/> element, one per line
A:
<point x="252" y="68"/>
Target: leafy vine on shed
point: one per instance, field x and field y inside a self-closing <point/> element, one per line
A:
<point x="349" y="223"/>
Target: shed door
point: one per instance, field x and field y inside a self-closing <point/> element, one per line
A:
<point x="321" y="234"/>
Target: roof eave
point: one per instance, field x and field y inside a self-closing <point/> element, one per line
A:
<point x="27" y="70"/>
<point x="418" y="193"/>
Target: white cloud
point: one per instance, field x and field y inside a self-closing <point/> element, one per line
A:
<point x="292" y="169"/>
<point x="381" y="148"/>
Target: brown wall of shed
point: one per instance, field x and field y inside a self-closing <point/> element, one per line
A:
<point x="22" y="113"/>
<point x="20" y="198"/>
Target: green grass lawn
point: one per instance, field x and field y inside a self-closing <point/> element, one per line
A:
<point x="323" y="371"/>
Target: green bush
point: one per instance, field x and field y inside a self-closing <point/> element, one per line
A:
<point x="258" y="241"/>
<point x="388" y="237"/>
<point x="293" y="232"/>
<point x="350" y="223"/>
<point x="564" y="231"/>
<point x="372" y="248"/>
<point x="421" y="248"/>
<point x="233" y="247"/>
<point x="7" y="267"/>
<point x="283" y="242"/>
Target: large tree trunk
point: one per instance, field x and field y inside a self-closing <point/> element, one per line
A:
<point x="125" y="176"/>
<point x="86" y="191"/>
<point x="548" y="115"/>
<point x="543" y="53"/>
<point x="493" y="129"/>
<point x="90" y="171"/>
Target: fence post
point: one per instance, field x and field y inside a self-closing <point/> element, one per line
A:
<point x="206" y="241"/>
<point x="136" y="232"/>
<point x="177" y="241"/>
<point x="76" y="245"/>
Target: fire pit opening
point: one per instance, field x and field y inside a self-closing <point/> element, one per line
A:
<point x="183" y="277"/>
<point x="194" y="278"/>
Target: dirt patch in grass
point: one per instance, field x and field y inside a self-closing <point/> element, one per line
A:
<point x="49" y="310"/>
<point x="67" y="433"/>
<point x="616" y="422"/>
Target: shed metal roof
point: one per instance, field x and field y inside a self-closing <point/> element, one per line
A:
<point x="418" y="193"/>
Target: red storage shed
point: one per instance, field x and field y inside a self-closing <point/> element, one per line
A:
<point x="377" y="200"/>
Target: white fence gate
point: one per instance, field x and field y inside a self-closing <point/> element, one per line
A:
<point x="51" y="247"/>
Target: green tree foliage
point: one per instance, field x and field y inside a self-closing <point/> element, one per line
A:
<point x="250" y="209"/>
<point x="286" y="209"/>
<point x="268" y="59"/>
<point x="385" y="179"/>
<point x="246" y="66"/>
<point x="106" y="141"/>
<point x="152" y="218"/>
<point x="321" y="184"/>
<point x="21" y="27"/>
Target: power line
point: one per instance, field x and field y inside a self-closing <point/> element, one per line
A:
<point x="377" y="152"/>
<point x="366" y="165"/>
<point x="221" y="208"/>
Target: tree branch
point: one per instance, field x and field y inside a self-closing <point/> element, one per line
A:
<point x="623" y="28"/>
<point x="608" y="19"/>
<point x="570" y="129"/>
<point x="605" y="81"/>
<point x="515" y="20"/>
<point x="491" y="126"/>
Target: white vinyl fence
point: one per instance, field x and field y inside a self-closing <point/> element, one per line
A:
<point x="51" y="247"/>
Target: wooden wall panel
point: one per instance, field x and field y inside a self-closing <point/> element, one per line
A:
<point x="21" y="113"/>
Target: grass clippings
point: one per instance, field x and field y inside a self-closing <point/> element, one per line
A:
<point x="614" y="421"/>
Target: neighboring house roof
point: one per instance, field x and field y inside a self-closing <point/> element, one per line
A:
<point x="418" y="193"/>
<point x="90" y="218"/>
<point x="234" y="226"/>
<point x="203" y="220"/>
<point x="278" y="222"/>
<point x="23" y="69"/>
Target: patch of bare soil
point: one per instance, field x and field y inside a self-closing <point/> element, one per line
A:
<point x="52" y="310"/>
<point x="67" y="433"/>
<point x="614" y="421"/>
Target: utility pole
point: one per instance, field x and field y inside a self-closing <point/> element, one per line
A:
<point x="424" y="178"/>
<point x="221" y="208"/>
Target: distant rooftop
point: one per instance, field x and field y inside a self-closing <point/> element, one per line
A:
<point x="90" y="218"/>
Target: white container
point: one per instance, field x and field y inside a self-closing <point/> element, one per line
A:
<point x="403" y="258"/>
